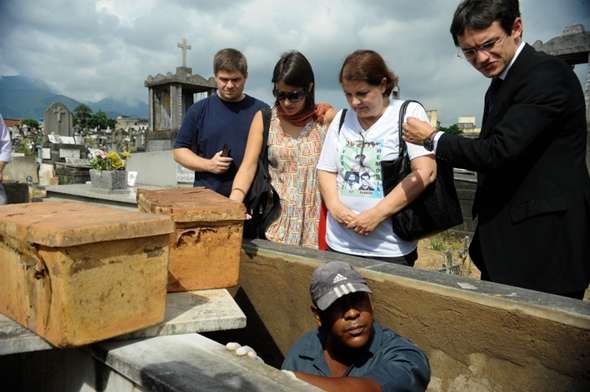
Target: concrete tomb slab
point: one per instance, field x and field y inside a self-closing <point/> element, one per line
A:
<point x="189" y="363"/>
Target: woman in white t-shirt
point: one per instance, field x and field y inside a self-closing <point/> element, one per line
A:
<point x="358" y="220"/>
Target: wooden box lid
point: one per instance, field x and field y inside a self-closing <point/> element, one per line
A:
<point x="61" y="224"/>
<point x="190" y="205"/>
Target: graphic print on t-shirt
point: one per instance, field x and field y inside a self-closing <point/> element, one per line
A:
<point x="360" y="168"/>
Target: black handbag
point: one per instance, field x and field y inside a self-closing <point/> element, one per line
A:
<point x="262" y="200"/>
<point x="436" y="209"/>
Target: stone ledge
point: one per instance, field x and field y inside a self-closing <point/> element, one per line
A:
<point x="191" y="362"/>
<point x="197" y="311"/>
<point x="554" y="307"/>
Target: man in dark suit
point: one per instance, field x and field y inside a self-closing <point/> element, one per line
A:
<point x="533" y="190"/>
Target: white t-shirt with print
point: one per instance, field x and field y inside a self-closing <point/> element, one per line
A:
<point x="355" y="155"/>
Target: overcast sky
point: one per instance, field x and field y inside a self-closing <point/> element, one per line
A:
<point x="90" y="49"/>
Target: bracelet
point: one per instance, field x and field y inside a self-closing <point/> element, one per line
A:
<point x="239" y="189"/>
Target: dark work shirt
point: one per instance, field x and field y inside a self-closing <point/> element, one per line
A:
<point x="208" y="125"/>
<point x="392" y="361"/>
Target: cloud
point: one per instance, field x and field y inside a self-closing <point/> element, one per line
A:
<point x="94" y="49"/>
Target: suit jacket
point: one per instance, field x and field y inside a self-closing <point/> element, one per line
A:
<point x="533" y="192"/>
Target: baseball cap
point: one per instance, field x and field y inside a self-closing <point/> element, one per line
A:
<point x="333" y="280"/>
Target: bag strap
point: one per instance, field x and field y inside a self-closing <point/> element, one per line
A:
<point x="342" y="117"/>
<point x="403" y="149"/>
<point x="266" y="114"/>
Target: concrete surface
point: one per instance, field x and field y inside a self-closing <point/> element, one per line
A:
<point x="198" y="311"/>
<point x="85" y="192"/>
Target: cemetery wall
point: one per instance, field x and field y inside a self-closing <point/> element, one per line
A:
<point x="488" y="338"/>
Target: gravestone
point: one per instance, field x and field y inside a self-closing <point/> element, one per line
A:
<point x="59" y="120"/>
<point x="21" y="169"/>
<point x="158" y="168"/>
<point x="68" y="155"/>
<point x="573" y="47"/>
<point x="170" y="96"/>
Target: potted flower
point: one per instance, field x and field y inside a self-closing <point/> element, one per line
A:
<point x="107" y="171"/>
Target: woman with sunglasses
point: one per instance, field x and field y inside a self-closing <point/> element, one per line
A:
<point x="358" y="221"/>
<point x="297" y="130"/>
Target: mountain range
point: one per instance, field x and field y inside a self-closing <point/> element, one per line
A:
<point x="23" y="97"/>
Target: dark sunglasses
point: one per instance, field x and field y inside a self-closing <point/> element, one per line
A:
<point x="293" y="96"/>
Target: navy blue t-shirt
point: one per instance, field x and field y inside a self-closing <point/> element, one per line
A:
<point x="208" y="125"/>
<point x="392" y="361"/>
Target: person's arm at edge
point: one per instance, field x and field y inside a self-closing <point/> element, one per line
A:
<point x="340" y="384"/>
<point x="5" y="147"/>
<point x="247" y="171"/>
<point x="423" y="174"/>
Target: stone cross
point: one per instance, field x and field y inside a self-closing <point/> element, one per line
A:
<point x="184" y="46"/>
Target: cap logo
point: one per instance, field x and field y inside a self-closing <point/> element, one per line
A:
<point x="344" y="289"/>
<point x="338" y="278"/>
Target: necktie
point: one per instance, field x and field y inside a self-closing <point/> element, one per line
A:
<point x="490" y="98"/>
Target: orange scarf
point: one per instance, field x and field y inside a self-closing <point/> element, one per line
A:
<point x="300" y="119"/>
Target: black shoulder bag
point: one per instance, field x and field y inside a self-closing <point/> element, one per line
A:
<point x="262" y="200"/>
<point x="436" y="209"/>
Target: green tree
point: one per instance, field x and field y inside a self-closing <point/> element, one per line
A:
<point x="99" y="120"/>
<point x="31" y="123"/>
<point x="453" y="129"/>
<point x="82" y="116"/>
<point x="112" y="123"/>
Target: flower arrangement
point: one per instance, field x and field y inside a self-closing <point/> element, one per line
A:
<point x="109" y="160"/>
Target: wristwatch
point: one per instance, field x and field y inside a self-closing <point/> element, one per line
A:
<point x="429" y="142"/>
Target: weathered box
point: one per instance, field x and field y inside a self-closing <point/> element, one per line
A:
<point x="205" y="249"/>
<point x="75" y="273"/>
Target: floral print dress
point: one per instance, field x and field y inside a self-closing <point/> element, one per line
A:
<point x="292" y="168"/>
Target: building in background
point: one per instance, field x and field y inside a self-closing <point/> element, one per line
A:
<point x="468" y="126"/>
<point x="433" y="118"/>
<point x="131" y="123"/>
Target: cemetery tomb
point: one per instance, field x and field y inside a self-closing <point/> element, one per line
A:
<point x="205" y="247"/>
<point x="76" y="273"/>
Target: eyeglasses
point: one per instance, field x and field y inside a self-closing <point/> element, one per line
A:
<point x="470" y="53"/>
<point x="292" y="96"/>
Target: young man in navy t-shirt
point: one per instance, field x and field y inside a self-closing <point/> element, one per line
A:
<point x="213" y="135"/>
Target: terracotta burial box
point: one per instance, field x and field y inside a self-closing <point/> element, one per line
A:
<point x="75" y="273"/>
<point x="205" y="249"/>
